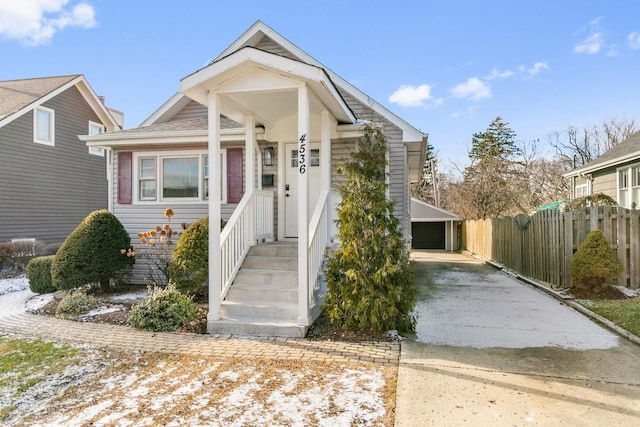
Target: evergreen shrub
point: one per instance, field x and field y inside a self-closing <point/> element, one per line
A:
<point x="39" y="275"/>
<point x="92" y="253"/>
<point x="594" y="262"/>
<point x="75" y="304"/>
<point x="165" y="309"/>
<point x="190" y="264"/>
<point x="369" y="277"/>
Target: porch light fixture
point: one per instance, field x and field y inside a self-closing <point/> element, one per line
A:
<point x="268" y="156"/>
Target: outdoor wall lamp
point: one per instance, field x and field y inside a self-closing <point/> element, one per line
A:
<point x="268" y="156"/>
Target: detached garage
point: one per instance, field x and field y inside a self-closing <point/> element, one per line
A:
<point x="432" y="227"/>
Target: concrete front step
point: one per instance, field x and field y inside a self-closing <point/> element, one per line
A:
<point x="258" y="293"/>
<point x="256" y="327"/>
<point x="274" y="249"/>
<point x="261" y="262"/>
<point x="273" y="310"/>
<point x="267" y="277"/>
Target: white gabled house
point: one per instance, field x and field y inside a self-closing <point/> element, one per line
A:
<point x="274" y="123"/>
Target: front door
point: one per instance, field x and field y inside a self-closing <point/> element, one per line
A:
<point x="291" y="185"/>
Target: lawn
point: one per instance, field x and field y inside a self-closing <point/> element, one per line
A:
<point x="624" y="313"/>
<point x="50" y="384"/>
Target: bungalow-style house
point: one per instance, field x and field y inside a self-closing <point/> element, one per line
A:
<point x="254" y="138"/>
<point x="433" y="227"/>
<point x="49" y="179"/>
<point x="615" y="173"/>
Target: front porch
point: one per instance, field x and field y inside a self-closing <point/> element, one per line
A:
<point x="256" y="286"/>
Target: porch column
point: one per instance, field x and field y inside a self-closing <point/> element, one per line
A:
<point x="215" y="277"/>
<point x="250" y="172"/>
<point x="325" y="163"/>
<point x="303" y="207"/>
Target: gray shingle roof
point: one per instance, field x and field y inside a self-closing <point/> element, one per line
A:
<point x="622" y="151"/>
<point x="17" y="94"/>
<point x="178" y="126"/>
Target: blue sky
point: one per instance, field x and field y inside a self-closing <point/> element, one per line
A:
<point x="448" y="68"/>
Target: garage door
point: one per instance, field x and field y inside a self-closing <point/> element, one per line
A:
<point x="428" y="235"/>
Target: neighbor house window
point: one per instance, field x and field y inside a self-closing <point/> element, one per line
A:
<point x="96" y="129"/>
<point x="629" y="186"/>
<point x="582" y="190"/>
<point x="44" y="126"/>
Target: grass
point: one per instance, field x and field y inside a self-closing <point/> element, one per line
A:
<point x="25" y="363"/>
<point x="624" y="313"/>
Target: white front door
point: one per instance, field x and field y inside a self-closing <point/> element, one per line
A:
<point x="291" y="185"/>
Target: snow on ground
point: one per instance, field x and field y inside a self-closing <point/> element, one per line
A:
<point x="105" y="387"/>
<point x="14" y="284"/>
<point x="109" y="387"/>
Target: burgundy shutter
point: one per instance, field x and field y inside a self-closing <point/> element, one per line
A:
<point x="125" y="175"/>
<point x="234" y="175"/>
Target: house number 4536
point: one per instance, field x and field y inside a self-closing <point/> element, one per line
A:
<point x="302" y="154"/>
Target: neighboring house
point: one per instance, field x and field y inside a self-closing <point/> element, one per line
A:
<point x="49" y="179"/>
<point x="432" y="227"/>
<point x="255" y="137"/>
<point x="615" y="173"/>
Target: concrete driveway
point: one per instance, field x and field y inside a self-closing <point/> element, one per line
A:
<point x="490" y="350"/>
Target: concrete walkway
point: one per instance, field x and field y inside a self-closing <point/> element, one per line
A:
<point x="14" y="320"/>
<point x="490" y="350"/>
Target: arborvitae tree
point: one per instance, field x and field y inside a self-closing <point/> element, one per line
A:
<point x="369" y="276"/>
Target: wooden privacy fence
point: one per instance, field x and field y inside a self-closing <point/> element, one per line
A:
<point x="540" y="246"/>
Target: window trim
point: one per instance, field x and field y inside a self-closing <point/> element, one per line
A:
<point x="52" y="126"/>
<point x="630" y="189"/>
<point x="96" y="151"/>
<point x="158" y="156"/>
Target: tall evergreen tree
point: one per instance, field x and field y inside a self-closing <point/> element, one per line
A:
<point x="368" y="276"/>
<point x="489" y="188"/>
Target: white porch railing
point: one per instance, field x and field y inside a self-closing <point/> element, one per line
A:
<point x="318" y="239"/>
<point x="236" y="238"/>
<point x="263" y="201"/>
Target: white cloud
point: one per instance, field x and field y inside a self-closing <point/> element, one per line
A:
<point x="35" y="22"/>
<point x="536" y="69"/>
<point x="633" y="40"/>
<point x="411" y="96"/>
<point x="591" y="45"/>
<point x="473" y="88"/>
<point x="499" y="75"/>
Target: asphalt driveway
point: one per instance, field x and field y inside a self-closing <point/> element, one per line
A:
<point x="490" y="350"/>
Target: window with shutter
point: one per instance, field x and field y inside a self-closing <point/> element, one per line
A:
<point x="234" y="175"/>
<point x="125" y="174"/>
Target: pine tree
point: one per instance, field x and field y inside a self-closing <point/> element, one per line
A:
<point x="368" y="276"/>
<point x="488" y="186"/>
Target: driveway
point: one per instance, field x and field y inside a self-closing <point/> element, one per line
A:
<point x="490" y="350"/>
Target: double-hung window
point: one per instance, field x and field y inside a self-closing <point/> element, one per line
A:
<point x="96" y="129"/>
<point x="147" y="178"/>
<point x="44" y="126"/>
<point x="629" y="186"/>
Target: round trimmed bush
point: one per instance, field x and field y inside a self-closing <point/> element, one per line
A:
<point x="165" y="309"/>
<point x="39" y="275"/>
<point x="189" y="268"/>
<point x="76" y="304"/>
<point x="594" y="262"/>
<point x="92" y="253"/>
